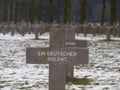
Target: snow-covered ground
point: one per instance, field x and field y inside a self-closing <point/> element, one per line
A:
<point x="103" y="69"/>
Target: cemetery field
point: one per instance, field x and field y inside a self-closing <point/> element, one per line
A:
<point x="102" y="72"/>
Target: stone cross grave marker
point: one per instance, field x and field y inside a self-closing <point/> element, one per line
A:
<point x="108" y="29"/>
<point x="1" y="27"/>
<point x="57" y="56"/>
<point x="23" y="27"/>
<point x="71" y="42"/>
<point x="5" y="28"/>
<point x="29" y="27"/>
<point x="118" y="29"/>
<point x="42" y="28"/>
<point x="35" y="27"/>
<point x="12" y="27"/>
<point x="38" y="28"/>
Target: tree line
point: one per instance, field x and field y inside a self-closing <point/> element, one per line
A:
<point x="30" y="10"/>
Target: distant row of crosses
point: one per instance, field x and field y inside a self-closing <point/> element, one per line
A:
<point x="39" y="28"/>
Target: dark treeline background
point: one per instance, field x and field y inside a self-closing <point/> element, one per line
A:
<point x="60" y="10"/>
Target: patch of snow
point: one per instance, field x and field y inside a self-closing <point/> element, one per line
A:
<point x="103" y="68"/>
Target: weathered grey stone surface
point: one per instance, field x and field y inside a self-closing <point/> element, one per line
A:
<point x="57" y="56"/>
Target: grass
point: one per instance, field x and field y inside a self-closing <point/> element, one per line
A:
<point x="1" y="87"/>
<point x="111" y="40"/>
<point x="79" y="81"/>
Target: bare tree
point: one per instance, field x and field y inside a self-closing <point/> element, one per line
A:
<point x="27" y="10"/>
<point x="113" y="11"/>
<point x="13" y="10"/>
<point x="2" y="10"/>
<point x="83" y="16"/>
<point x="103" y="12"/>
<point x="51" y="13"/>
<point x="8" y="10"/>
<point x="58" y="10"/>
<point x="65" y="11"/>
<point x="40" y="9"/>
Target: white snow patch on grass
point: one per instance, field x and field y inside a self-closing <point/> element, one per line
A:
<point x="103" y="68"/>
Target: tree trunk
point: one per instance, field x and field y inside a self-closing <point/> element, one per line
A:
<point x="51" y="13"/>
<point x="40" y="9"/>
<point x="103" y="12"/>
<point x="2" y="10"/>
<point x="13" y="11"/>
<point x="113" y="11"/>
<point x="27" y="10"/>
<point x="65" y="11"/>
<point x="8" y="11"/>
<point x="19" y="11"/>
<point x="31" y="10"/>
<point x="69" y="10"/>
<point x="58" y="10"/>
<point x="16" y="6"/>
<point x="83" y="16"/>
